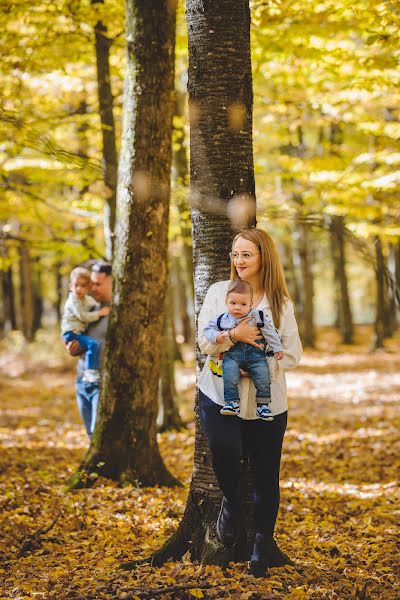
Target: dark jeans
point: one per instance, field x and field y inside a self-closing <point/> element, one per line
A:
<point x="227" y="438"/>
<point x="251" y="359"/>
<point x="89" y="345"/>
<point x="87" y="397"/>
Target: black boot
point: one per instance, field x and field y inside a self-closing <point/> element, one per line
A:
<point x="227" y="523"/>
<point x="258" y="560"/>
<point x="275" y="556"/>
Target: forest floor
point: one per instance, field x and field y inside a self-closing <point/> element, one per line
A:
<point x="340" y="494"/>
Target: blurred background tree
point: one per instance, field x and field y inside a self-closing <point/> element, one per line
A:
<point x="327" y="154"/>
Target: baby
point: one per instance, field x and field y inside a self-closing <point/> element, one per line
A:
<point x="245" y="356"/>
<point x="81" y="309"/>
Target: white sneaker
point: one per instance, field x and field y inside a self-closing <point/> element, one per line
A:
<point x="91" y="376"/>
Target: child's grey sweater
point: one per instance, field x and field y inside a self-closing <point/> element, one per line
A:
<point x="228" y="322"/>
<point x="78" y="313"/>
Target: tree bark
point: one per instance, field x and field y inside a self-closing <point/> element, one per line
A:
<point x="168" y="414"/>
<point x="339" y="265"/>
<point x="307" y="321"/>
<point x="124" y="443"/>
<point x="222" y="196"/>
<point x="380" y="295"/>
<point x="37" y="297"/>
<point x="8" y="291"/>
<point x="110" y="160"/>
<point x="26" y="292"/>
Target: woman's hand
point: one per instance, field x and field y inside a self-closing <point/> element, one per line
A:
<point x="249" y="334"/>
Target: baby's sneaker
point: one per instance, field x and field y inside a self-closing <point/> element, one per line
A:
<point x="230" y="408"/>
<point x="91" y="376"/>
<point x="264" y="412"/>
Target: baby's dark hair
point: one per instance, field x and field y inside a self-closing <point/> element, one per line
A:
<point x="240" y="287"/>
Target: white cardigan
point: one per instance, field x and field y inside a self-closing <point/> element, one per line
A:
<point x="210" y="379"/>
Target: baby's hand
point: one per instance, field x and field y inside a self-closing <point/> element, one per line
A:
<point x="278" y="355"/>
<point x="104" y="311"/>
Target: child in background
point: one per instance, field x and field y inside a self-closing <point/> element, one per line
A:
<point x="81" y="309"/>
<point x="252" y="359"/>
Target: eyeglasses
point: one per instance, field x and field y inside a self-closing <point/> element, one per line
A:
<point x="243" y="255"/>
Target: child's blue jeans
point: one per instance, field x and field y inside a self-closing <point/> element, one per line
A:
<point x="250" y="359"/>
<point x="89" y="345"/>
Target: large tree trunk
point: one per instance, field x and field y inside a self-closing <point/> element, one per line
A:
<point x="220" y="88"/>
<point x="124" y="443"/>
<point x="110" y="160"/>
<point x="26" y="292"/>
<point x="307" y="321"/>
<point x="339" y="265"/>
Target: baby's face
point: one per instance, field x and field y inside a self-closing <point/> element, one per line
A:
<point x="80" y="287"/>
<point x="238" y="304"/>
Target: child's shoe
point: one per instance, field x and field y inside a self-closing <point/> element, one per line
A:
<point x="91" y="376"/>
<point x="264" y="412"/>
<point x="230" y="408"/>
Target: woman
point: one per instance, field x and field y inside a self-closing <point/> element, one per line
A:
<point x="254" y="259"/>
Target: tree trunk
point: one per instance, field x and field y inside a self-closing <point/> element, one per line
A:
<point x="220" y="89"/>
<point x="37" y="297"/>
<point x="8" y="291"/>
<point x="181" y="184"/>
<point x="124" y="443"/>
<point x="26" y="292"/>
<point x="397" y="271"/>
<point x="180" y="298"/>
<point x="390" y="322"/>
<point x="307" y="321"/>
<point x="380" y="295"/>
<point x="290" y="271"/>
<point x="339" y="265"/>
<point x="168" y="414"/>
<point x="110" y="160"/>
<point x="59" y="289"/>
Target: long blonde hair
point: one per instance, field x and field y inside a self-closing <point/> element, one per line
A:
<point x="272" y="277"/>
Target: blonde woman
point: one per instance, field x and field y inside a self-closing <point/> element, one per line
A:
<point x="254" y="259"/>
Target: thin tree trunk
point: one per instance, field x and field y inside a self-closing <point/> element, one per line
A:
<point x="168" y="415"/>
<point x="380" y="295"/>
<point x="307" y="321"/>
<point x="37" y="297"/>
<point x="390" y="322"/>
<point x="124" y="443"/>
<point x="182" y="185"/>
<point x="220" y="88"/>
<point x="59" y="288"/>
<point x="110" y="160"/>
<point x="339" y="264"/>
<point x="290" y="269"/>
<point x="26" y="292"/>
<point x="8" y="291"/>
<point x="180" y="298"/>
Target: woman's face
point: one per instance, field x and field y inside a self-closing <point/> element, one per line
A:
<point x="248" y="267"/>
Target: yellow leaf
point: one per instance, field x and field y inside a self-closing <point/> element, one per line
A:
<point x="196" y="593"/>
<point x="110" y="559"/>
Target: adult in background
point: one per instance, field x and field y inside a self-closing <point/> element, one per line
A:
<point x="254" y="258"/>
<point x="87" y="394"/>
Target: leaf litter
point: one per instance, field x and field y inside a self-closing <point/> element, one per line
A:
<point x="339" y="510"/>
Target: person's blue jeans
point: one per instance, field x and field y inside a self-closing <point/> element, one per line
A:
<point x="89" y="345"/>
<point x="87" y="398"/>
<point x="250" y="359"/>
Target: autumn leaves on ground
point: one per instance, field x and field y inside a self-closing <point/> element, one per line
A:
<point x="338" y="518"/>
